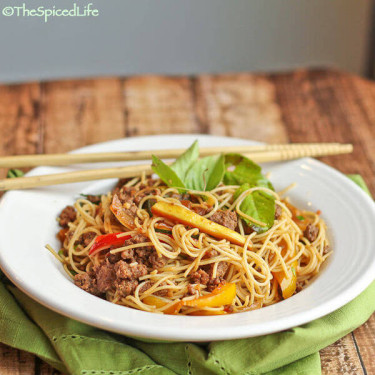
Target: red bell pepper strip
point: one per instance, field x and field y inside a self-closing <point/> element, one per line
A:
<point x="107" y="240"/>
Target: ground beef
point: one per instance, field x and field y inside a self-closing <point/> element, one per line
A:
<point x="157" y="262"/>
<point x="192" y="289"/>
<point x="127" y="254"/>
<point x="95" y="199"/>
<point x="129" y="271"/>
<point x="146" y="191"/>
<point x="86" y="238"/>
<point x="61" y="235"/>
<point x="113" y="258"/>
<point x="121" y="183"/>
<point x="221" y="270"/>
<point x="311" y="232"/>
<point x="68" y="215"/>
<point x="126" y="287"/>
<point x="214" y="283"/>
<point x="226" y="218"/>
<point x="278" y="212"/>
<point x="199" y="277"/>
<point x="210" y="254"/>
<point x="120" y="271"/>
<point x="147" y="285"/>
<point x="205" y="276"/>
<point x="146" y="255"/>
<point x="200" y="210"/>
<point x="105" y="277"/>
<point x="87" y="283"/>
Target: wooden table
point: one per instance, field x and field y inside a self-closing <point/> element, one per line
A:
<point x="303" y="106"/>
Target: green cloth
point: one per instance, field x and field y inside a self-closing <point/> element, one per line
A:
<point x="76" y="348"/>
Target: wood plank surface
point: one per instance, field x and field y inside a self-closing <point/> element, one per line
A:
<point x="302" y="106"/>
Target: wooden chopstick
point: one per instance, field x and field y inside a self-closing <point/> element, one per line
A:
<point x="136" y="170"/>
<point x="19" y="161"/>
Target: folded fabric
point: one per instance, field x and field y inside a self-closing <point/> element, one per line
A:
<point x="76" y="348"/>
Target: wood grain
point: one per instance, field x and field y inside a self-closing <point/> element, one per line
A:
<point x="16" y="362"/>
<point x="324" y="105"/>
<point x="77" y="113"/>
<point x="159" y="105"/>
<point x="241" y="105"/>
<point x="341" y="358"/>
<point x="19" y="120"/>
<point x="365" y="340"/>
<point x="302" y="106"/>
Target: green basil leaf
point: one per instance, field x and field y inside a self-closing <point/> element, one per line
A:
<point x="259" y="205"/>
<point x="165" y="172"/>
<point x="186" y="160"/>
<point x="14" y="173"/>
<point x="206" y="173"/>
<point x="245" y="172"/>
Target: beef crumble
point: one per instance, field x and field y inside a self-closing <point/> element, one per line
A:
<point x="278" y="212"/>
<point x="68" y="215"/>
<point x="85" y="239"/>
<point x="121" y="271"/>
<point x="226" y="218"/>
<point x="95" y="199"/>
<point x="204" y="276"/>
<point x="311" y="232"/>
<point x="87" y="283"/>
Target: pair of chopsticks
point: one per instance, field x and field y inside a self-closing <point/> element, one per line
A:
<point x="259" y="154"/>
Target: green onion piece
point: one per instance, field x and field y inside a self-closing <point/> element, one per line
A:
<point x="163" y="231"/>
<point x="301" y="218"/>
<point x="293" y="271"/>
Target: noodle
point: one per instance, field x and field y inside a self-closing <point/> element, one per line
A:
<point x="186" y="250"/>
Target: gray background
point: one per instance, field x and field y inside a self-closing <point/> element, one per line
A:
<point x="185" y="37"/>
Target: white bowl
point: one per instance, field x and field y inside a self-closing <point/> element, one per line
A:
<point x="28" y="222"/>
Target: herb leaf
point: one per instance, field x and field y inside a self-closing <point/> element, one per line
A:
<point x="206" y="173"/>
<point x="259" y="205"/>
<point x="186" y="160"/>
<point x="166" y="173"/>
<point x="14" y="173"/>
<point x="300" y="218"/>
<point x="245" y="172"/>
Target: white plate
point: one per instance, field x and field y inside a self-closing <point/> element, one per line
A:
<point x="28" y="222"/>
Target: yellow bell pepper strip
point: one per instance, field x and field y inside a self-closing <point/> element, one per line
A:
<point x="158" y="303"/>
<point x="185" y="216"/>
<point x="119" y="211"/>
<point x="220" y="296"/>
<point x="287" y="282"/>
<point x="208" y="312"/>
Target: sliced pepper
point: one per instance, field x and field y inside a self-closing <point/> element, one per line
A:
<point x="221" y="296"/>
<point x="298" y="216"/>
<point x="158" y="303"/>
<point x="208" y="312"/>
<point x="107" y="240"/>
<point x="190" y="218"/>
<point x="119" y="211"/>
<point x="287" y="282"/>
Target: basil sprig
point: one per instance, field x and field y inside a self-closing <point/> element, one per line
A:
<point x="190" y="172"/>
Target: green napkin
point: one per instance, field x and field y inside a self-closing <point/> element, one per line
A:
<point x="76" y="348"/>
